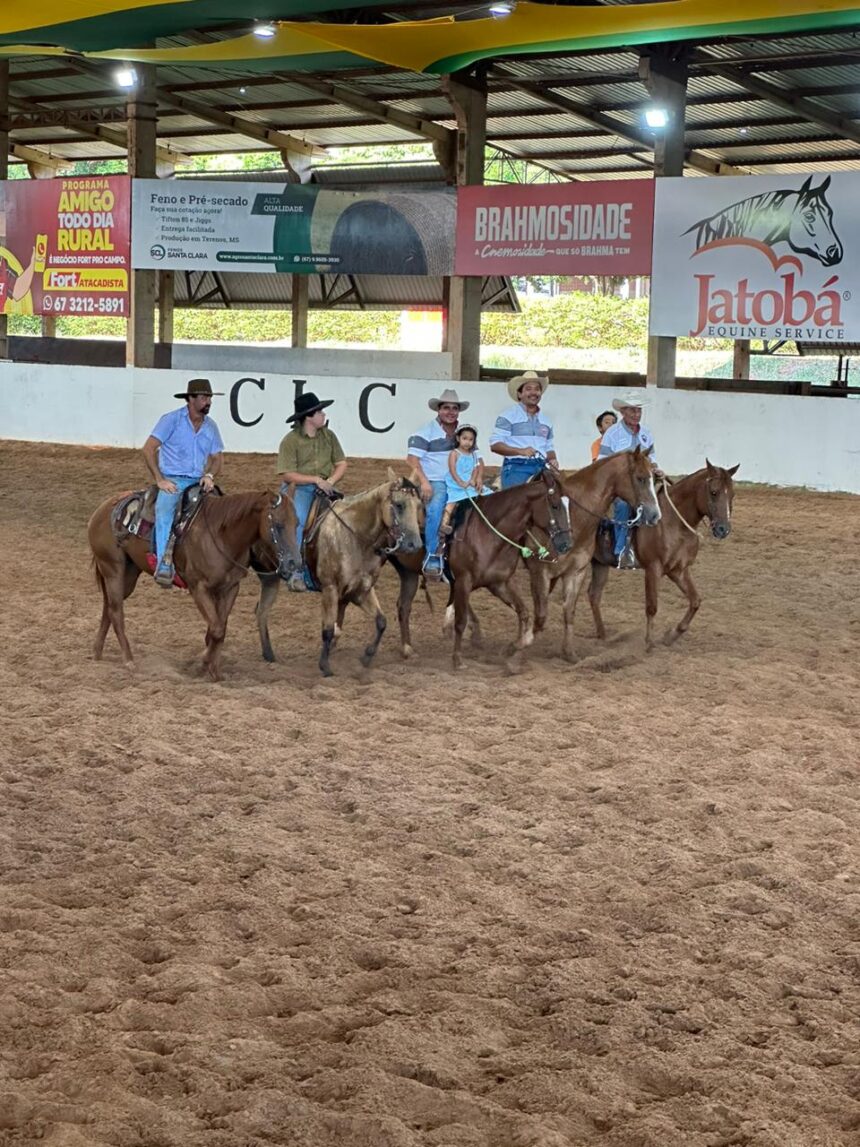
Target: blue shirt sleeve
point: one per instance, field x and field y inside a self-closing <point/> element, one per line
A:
<point x="217" y="441"/>
<point x="163" y="428"/>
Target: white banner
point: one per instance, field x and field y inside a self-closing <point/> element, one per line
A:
<point x="774" y="257"/>
<point x="209" y="225"/>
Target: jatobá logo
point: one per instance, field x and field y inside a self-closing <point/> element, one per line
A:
<point x="802" y="220"/>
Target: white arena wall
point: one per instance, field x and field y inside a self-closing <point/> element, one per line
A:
<point x="781" y="440"/>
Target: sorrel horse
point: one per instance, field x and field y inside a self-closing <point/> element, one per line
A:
<point x="672" y="547"/>
<point x="212" y="558"/>
<point x="488" y="540"/>
<point x="591" y="491"/>
<point x="345" y="553"/>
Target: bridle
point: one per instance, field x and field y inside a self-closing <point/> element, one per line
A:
<point x="554" y="530"/>
<point x="395" y="530"/>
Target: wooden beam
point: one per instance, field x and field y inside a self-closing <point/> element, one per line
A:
<point x="594" y="118"/>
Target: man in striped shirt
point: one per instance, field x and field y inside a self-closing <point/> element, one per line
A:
<point x="427" y="454"/>
<point x="523" y="433"/>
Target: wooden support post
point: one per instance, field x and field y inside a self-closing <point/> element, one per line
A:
<point x="142" y="104"/>
<point x="741" y="359"/>
<point x="165" y="307"/>
<point x="300" y="296"/>
<point x="468" y="96"/>
<point x="49" y="326"/>
<point x="664" y="73"/>
<point x="4" y="174"/>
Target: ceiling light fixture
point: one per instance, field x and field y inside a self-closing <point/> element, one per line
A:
<point x="656" y="117"/>
<point x="125" y="77"/>
<point x="265" y="31"/>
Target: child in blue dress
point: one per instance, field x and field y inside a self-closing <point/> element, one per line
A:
<point x="465" y="477"/>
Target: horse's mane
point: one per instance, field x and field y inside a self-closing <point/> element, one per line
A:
<point x="232" y="508"/>
<point x="376" y="492"/>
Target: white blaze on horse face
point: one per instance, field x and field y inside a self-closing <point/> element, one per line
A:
<point x="653" y="491"/>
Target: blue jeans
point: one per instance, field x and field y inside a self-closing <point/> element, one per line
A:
<point x="165" y="509"/>
<point x="517" y="471"/>
<point x="303" y="497"/>
<point x="622" y="514"/>
<point x="433" y="511"/>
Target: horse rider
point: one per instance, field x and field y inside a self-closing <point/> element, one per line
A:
<point x="523" y="433"/>
<point x="184" y="448"/>
<point x="427" y="454"/>
<point x="311" y="459"/>
<point x="626" y="435"/>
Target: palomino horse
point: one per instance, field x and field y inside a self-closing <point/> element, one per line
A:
<point x="591" y="491"/>
<point x="345" y="553"/>
<point x="672" y="547"/>
<point x="485" y="549"/>
<point x="212" y="558"/>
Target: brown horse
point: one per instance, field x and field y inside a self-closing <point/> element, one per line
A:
<point x="672" y="547"/>
<point x="345" y="554"/>
<point x="591" y="491"/>
<point x="488" y="541"/>
<point x="212" y="558"/>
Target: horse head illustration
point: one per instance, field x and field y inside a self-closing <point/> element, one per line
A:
<point x="802" y="219"/>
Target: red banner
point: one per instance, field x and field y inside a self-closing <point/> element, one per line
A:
<point x="67" y="244"/>
<point x="556" y="229"/>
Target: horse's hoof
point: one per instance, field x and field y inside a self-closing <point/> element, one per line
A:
<point x="457" y="662"/>
<point x="671" y="636"/>
<point x="270" y="657"/>
<point x="514" y="665"/>
<point x="406" y="651"/>
<point x="569" y="656"/>
<point x="326" y="672"/>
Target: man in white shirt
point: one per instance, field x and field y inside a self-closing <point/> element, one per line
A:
<point x="523" y="434"/>
<point x="623" y="436"/>
<point x="427" y="454"/>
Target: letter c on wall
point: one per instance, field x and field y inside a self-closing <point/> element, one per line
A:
<point x="234" y="400"/>
<point x="363" y="402"/>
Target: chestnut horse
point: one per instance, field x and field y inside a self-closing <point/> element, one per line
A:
<point x="345" y="553"/>
<point x="489" y="539"/>
<point x="212" y="558"/>
<point x="672" y="547"/>
<point x="591" y="492"/>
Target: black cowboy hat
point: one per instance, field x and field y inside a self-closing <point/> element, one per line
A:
<point x="307" y="404"/>
<point x="198" y="386"/>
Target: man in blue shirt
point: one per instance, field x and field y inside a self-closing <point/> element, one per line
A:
<point x="523" y="434"/>
<point x="184" y="448"/>
<point x="624" y="436"/>
<point x="427" y="453"/>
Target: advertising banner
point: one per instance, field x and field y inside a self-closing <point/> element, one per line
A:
<point x="65" y="246"/>
<point x="771" y="257"/>
<point x="202" y="225"/>
<point x="601" y="228"/>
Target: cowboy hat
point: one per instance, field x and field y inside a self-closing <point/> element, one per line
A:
<point x="447" y="396"/>
<point x="516" y="383"/>
<point x="198" y="386"/>
<point x="307" y="404"/>
<point x="632" y="398"/>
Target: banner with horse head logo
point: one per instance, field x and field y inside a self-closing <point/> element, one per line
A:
<point x="774" y="257"/>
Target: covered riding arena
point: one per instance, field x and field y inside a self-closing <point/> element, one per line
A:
<point x="611" y="903"/>
<point x="607" y="903"/>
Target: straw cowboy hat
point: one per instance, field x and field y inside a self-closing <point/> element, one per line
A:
<point x="631" y="398"/>
<point x="307" y="404"/>
<point x="516" y="383"/>
<point x="447" y="396"/>
<point x="198" y="386"/>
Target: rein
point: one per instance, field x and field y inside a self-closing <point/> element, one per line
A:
<point x="542" y="553"/>
<point x="680" y="517"/>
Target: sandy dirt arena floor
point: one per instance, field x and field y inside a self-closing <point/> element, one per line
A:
<point x="615" y="904"/>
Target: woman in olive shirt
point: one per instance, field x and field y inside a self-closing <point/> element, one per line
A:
<point x="311" y="459"/>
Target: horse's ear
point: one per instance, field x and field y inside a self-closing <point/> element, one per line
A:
<point x="711" y="467"/>
<point x="733" y="470"/>
<point x="414" y="479"/>
<point x="392" y="477"/>
<point x="637" y="451"/>
<point x="650" y="450"/>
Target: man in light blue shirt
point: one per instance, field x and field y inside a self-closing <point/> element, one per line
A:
<point x="624" y="436"/>
<point x="427" y="453"/>
<point x="523" y="434"/>
<point x="184" y="448"/>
